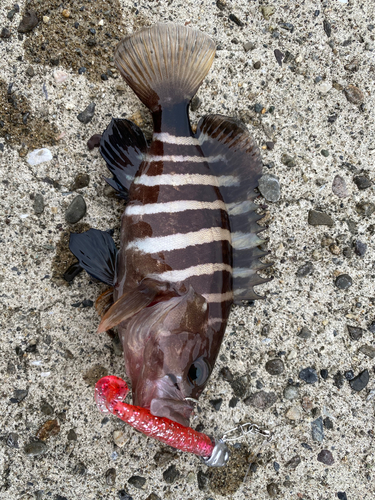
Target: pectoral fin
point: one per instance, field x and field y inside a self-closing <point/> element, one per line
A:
<point x="133" y="301"/>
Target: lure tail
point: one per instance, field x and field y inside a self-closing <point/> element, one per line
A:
<point x="165" y="64"/>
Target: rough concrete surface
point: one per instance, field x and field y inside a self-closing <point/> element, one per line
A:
<point x="317" y="127"/>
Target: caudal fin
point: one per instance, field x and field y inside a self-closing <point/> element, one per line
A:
<point x="165" y="64"/>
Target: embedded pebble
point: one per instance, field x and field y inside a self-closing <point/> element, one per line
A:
<point x="110" y="477"/>
<point x="317" y="431"/>
<point x="338" y="380"/>
<point x="360" y="248"/>
<point x="39" y="156"/>
<point x="362" y="182"/>
<point x="293" y="413"/>
<point x="203" y="481"/>
<point x="38" y="204"/>
<point x="368" y="350"/>
<point x="19" y="395"/>
<point x="360" y="381"/>
<point x="293" y="463"/>
<point x="304" y="333"/>
<point x="28" y="22"/>
<point x="94" y="141"/>
<point x="261" y="399"/>
<point x="120" y="438"/>
<point x="355" y="333"/>
<point x="341" y="495"/>
<point x="248" y="46"/>
<point x="124" y="495"/>
<point x="35" y="448"/>
<point x="216" y="403"/>
<point x="269" y="187"/>
<point x="288" y="160"/>
<point x="308" y="375"/>
<point x="153" y="496"/>
<point x="305" y="270"/>
<point x="318" y="218"/>
<point x="137" y="481"/>
<point x="60" y="76"/>
<point x="326" y="457"/>
<point x="195" y="103"/>
<point x="80" y="181"/>
<point x="291" y="392"/>
<point x="273" y="490"/>
<point x="12" y="440"/>
<point x="76" y="210"/>
<point x="87" y="114"/>
<point x="171" y="474"/>
<point x="354" y="94"/>
<point x="5" y="33"/>
<point x="365" y="208"/>
<point x="72" y="436"/>
<point x="48" y="429"/>
<point x="339" y="187"/>
<point x="274" y="366"/>
<point x="343" y="282"/>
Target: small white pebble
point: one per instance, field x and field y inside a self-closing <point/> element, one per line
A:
<point x="37" y="362"/>
<point x="60" y="76"/>
<point x="39" y="156"/>
<point x="46" y="19"/>
<point x="45" y="374"/>
<point x="24" y="216"/>
<point x="101" y="22"/>
<point x="292" y="355"/>
<point x="293" y="413"/>
<point x="119" y="438"/>
<point x="324" y="87"/>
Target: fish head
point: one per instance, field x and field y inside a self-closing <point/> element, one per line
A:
<point x="167" y="355"/>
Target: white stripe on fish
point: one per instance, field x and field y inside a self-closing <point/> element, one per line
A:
<point x="187" y="179"/>
<point x="218" y="297"/>
<point x="172" y="207"/>
<point x="182" y="158"/>
<point x="174" y="139"/>
<point x="179" y="241"/>
<point x="202" y="269"/>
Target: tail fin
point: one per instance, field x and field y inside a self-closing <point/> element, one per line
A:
<point x="165" y="64"/>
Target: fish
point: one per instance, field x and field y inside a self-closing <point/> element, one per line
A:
<point x="189" y="237"/>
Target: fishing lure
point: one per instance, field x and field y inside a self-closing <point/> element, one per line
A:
<point x="189" y="244"/>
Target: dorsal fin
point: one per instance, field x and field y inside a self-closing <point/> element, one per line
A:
<point x="123" y="147"/>
<point x="229" y="139"/>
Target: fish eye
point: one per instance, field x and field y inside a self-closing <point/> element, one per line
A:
<point x="199" y="372"/>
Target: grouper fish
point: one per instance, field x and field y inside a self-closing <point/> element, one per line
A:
<point x="189" y="244"/>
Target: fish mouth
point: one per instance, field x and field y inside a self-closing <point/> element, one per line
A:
<point x="178" y="411"/>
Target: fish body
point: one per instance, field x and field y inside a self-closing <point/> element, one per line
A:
<point x="188" y="242"/>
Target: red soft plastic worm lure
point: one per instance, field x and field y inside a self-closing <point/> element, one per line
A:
<point x="109" y="395"/>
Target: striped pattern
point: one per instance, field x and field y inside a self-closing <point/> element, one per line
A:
<point x="177" y="225"/>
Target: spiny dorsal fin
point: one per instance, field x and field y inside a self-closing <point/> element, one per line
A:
<point x="229" y="139"/>
<point x="165" y="64"/>
<point x="122" y="146"/>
